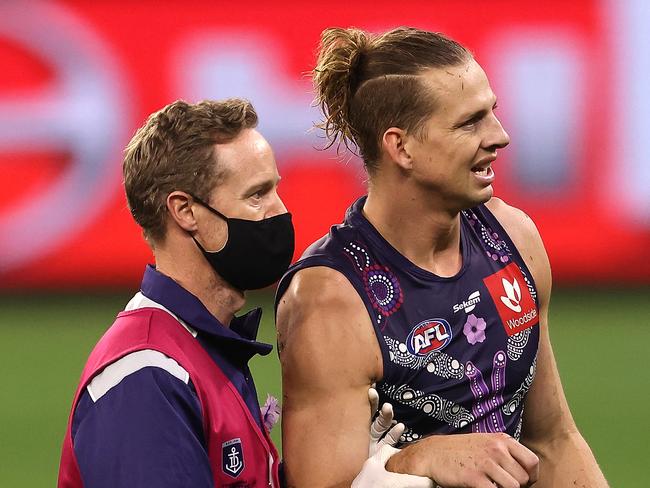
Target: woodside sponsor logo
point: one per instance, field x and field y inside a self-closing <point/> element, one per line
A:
<point x="513" y="301"/>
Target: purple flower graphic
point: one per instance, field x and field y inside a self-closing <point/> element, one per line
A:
<point x="270" y="412"/>
<point x="474" y="329"/>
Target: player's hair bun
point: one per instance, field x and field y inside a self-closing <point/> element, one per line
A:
<point x="336" y="79"/>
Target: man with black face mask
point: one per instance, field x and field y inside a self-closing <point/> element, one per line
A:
<point x="166" y="398"/>
<point x="257" y="251"/>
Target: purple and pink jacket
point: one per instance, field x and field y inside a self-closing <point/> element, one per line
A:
<point x="166" y="399"/>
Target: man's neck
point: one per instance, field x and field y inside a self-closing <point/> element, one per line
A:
<point x="427" y="236"/>
<point x="194" y="274"/>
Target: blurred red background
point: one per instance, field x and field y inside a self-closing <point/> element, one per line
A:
<point x="80" y="77"/>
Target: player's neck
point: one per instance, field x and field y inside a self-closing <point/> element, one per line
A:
<point x="427" y="236"/>
<point x="191" y="271"/>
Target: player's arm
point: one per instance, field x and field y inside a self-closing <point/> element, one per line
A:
<point x="329" y="357"/>
<point x="548" y="429"/>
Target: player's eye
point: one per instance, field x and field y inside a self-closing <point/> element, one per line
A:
<point x="471" y="122"/>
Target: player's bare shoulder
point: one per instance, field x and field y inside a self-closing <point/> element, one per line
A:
<point x="524" y="234"/>
<point x="319" y="289"/>
<point x="321" y="306"/>
<point x="317" y="285"/>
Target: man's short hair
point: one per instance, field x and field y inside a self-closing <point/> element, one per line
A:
<point x="174" y="150"/>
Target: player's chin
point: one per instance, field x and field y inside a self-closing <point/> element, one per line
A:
<point x="481" y="195"/>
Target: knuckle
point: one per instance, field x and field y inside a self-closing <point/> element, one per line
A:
<point x="533" y="463"/>
<point x="486" y="465"/>
<point x="474" y="478"/>
<point x="523" y="479"/>
<point x="495" y="450"/>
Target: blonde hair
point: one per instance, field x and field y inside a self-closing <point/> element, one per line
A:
<point x="174" y="150"/>
<point x="367" y="83"/>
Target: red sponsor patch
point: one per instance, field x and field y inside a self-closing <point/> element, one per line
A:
<point x="512" y="298"/>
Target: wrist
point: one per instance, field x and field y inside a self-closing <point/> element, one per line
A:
<point x="405" y="462"/>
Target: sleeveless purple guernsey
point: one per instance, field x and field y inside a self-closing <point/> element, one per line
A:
<point x="458" y="353"/>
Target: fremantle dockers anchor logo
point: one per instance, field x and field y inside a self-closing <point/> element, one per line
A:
<point x="232" y="457"/>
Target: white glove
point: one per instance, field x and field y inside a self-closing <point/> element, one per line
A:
<point x="383" y="424"/>
<point x="373" y="473"/>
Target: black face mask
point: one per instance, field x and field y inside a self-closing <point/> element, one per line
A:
<point x="257" y="252"/>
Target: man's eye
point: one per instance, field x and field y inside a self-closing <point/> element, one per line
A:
<point x="470" y="123"/>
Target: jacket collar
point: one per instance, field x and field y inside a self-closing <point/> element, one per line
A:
<point x="241" y="334"/>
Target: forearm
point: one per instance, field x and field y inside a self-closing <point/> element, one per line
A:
<point x="567" y="461"/>
<point x="468" y="460"/>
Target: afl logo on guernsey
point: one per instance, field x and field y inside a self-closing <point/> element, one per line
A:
<point x="428" y="336"/>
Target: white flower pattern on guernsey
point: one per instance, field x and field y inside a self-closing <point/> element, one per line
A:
<point x="431" y="404"/>
<point x="517" y="343"/>
<point x="436" y="362"/>
<point x="517" y="398"/>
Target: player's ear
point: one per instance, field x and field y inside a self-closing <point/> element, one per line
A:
<point x="180" y="207"/>
<point x="394" y="144"/>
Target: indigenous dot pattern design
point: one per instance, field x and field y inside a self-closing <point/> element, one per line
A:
<point x="517" y="434"/>
<point x="487" y="404"/>
<point x="531" y="288"/>
<point x="517" y="343"/>
<point x="511" y="406"/>
<point x="431" y="404"/>
<point x="495" y="247"/>
<point x="409" y="436"/>
<point x="358" y="254"/>
<point x="436" y="362"/>
<point x="383" y="289"/>
<point x="380" y="283"/>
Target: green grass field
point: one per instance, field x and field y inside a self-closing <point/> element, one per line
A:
<point x="600" y="338"/>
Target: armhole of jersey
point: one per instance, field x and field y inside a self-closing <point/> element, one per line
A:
<point x="117" y="371"/>
<point x="517" y="256"/>
<point x="315" y="261"/>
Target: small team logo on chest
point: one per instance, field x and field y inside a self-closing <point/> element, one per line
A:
<point x="428" y="336"/>
<point x="232" y="457"/>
